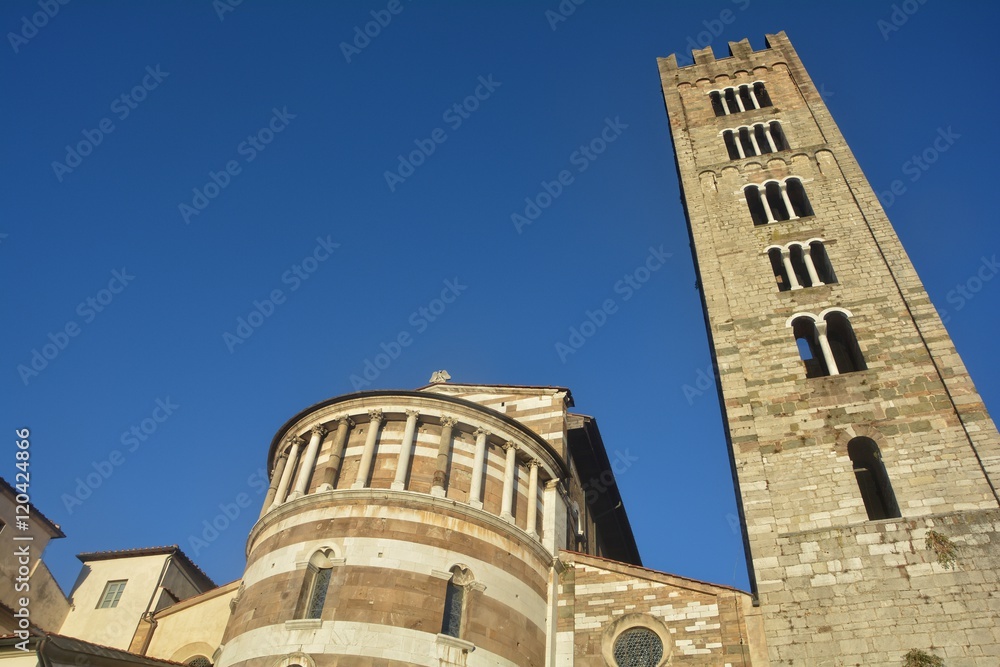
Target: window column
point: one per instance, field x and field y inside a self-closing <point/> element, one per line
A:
<point x="507" y="502"/>
<point x="375" y="417"/>
<point x="308" y="462"/>
<point x="344" y="425"/>
<point x="405" y="451"/>
<point x="824" y="344"/>
<point x="738" y="140"/>
<point x="752" y="134"/>
<point x="770" y="139"/>
<point x="783" y="187"/>
<point x="756" y="103"/>
<point x="810" y="266"/>
<point x="739" y="101"/>
<point x="476" y="487"/>
<point x="723" y="103"/>
<point x="762" y="191"/>
<point x="286" y="475"/>
<point x="786" y="260"/>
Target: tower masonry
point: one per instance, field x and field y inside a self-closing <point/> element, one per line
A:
<point x="864" y="459"/>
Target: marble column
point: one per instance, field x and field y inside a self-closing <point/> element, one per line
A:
<point x="308" y="462"/>
<point x="444" y="448"/>
<point x="405" y="451"/>
<point x="507" y="501"/>
<point x="368" y="454"/>
<point x="344" y="425"/>
<point x="476" y="485"/>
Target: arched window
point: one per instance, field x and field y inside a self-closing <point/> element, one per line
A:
<point x="807" y="342"/>
<point x="453" y="619"/>
<point x="718" y="103"/>
<point x="797" y="196"/>
<point x="199" y="661"/>
<point x="777" y="201"/>
<point x="797" y="259"/>
<point x="756" y="205"/>
<point x="733" y="103"/>
<point x="827" y="345"/>
<point x="733" y="146"/>
<point x="316" y="584"/>
<point x="821" y="262"/>
<point x="873" y="480"/>
<point x="774" y="253"/>
<point x="760" y="92"/>
<point x="800" y="265"/>
<point x="739" y="98"/>
<point x="843" y="343"/>
<point x="317" y="593"/>
<point x="638" y="647"/>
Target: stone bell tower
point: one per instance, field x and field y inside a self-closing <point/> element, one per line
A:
<point x="864" y="459"/>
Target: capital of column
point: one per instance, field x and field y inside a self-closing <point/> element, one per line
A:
<point x="344" y="419"/>
<point x="319" y="430"/>
<point x="448" y="421"/>
<point x="533" y="463"/>
<point x="413" y="413"/>
<point x="295" y="440"/>
<point x="283" y="454"/>
<point x="507" y="446"/>
<point x="375" y="415"/>
<point x="821" y="328"/>
<point x="551" y="484"/>
<point x="480" y="431"/>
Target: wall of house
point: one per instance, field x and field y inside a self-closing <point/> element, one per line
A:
<point x="115" y="626"/>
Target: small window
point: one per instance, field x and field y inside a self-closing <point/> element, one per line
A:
<point x="316" y="583"/>
<point x="455" y="601"/>
<point x="199" y="661"/>
<point x="317" y="592"/>
<point x="638" y="647"/>
<point x="873" y="480"/>
<point x="112" y="594"/>
<point x="807" y="343"/>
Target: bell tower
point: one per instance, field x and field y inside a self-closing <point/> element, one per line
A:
<point x="864" y="459"/>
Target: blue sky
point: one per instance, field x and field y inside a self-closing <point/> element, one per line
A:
<point x="247" y="160"/>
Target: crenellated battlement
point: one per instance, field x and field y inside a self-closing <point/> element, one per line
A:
<point x="741" y="50"/>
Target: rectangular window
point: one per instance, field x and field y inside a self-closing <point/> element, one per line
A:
<point x="317" y="597"/>
<point x="453" y="599"/>
<point x="112" y="594"/>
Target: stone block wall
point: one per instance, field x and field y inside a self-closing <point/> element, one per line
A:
<point x="788" y="433"/>
<point x="698" y="623"/>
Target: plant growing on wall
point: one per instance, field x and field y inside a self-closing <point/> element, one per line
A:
<point x="945" y="549"/>
<point x="917" y="658"/>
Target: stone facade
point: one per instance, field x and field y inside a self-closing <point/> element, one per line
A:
<point x="845" y="573"/>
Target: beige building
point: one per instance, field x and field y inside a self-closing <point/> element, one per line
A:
<point x="454" y="524"/>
